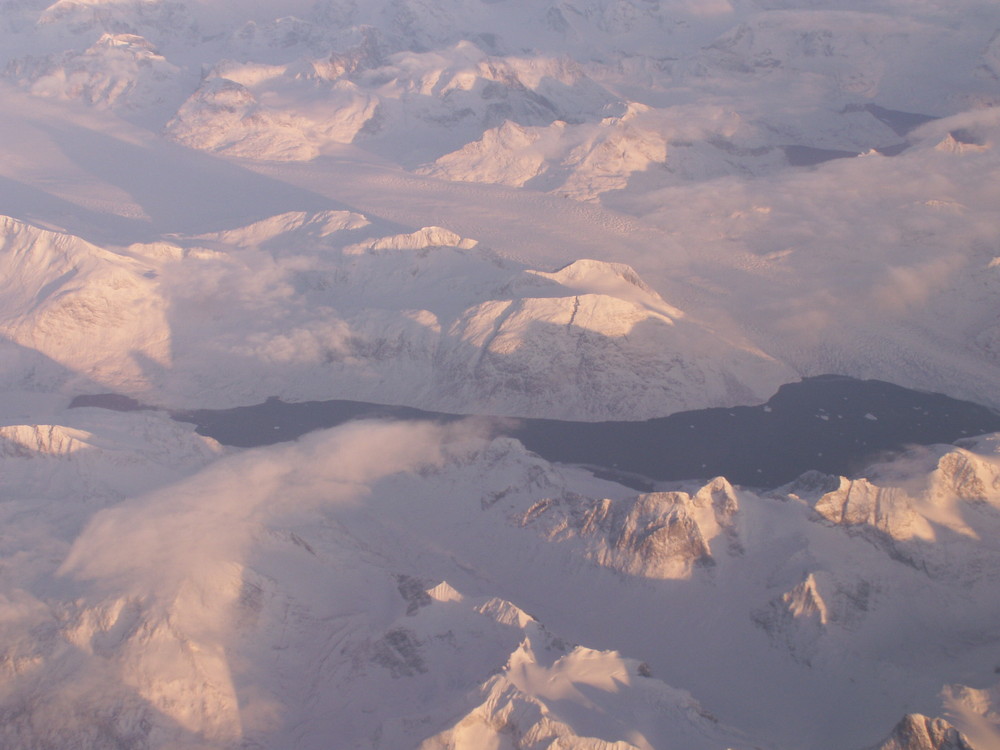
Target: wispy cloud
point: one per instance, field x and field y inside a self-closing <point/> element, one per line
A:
<point x="192" y="531"/>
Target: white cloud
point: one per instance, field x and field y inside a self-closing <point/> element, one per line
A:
<point x="146" y="610"/>
<point x="197" y="529"/>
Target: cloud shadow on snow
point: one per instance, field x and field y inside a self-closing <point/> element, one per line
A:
<point x="36" y="370"/>
<point x="33" y="205"/>
<point x="182" y="190"/>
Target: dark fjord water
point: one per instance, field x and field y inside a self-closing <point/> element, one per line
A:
<point x="831" y="424"/>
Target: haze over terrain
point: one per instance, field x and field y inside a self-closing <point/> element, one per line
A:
<point x="582" y="210"/>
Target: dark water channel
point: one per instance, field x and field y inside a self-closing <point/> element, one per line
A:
<point x="829" y="423"/>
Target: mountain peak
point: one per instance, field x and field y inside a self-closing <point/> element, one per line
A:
<point x="918" y="732"/>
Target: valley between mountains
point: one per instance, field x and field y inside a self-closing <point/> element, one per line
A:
<point x="669" y="334"/>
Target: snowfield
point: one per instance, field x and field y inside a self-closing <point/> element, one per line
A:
<point x="373" y="584"/>
<point x="576" y="209"/>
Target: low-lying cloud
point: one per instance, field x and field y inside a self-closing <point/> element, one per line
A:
<point x="151" y="544"/>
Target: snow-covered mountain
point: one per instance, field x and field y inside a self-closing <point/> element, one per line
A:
<point x="916" y="731"/>
<point x="575" y="209"/>
<point x="312" y="306"/>
<point x="654" y="115"/>
<point x="317" y="572"/>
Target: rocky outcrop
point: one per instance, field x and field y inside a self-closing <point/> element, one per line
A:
<point x="918" y="732"/>
<point x="653" y="535"/>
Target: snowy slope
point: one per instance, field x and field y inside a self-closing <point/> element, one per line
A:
<point x="89" y="310"/>
<point x="305" y="311"/>
<point x="585" y="209"/>
<point x="121" y="71"/>
<point x="916" y="732"/>
<point x="658" y="111"/>
<point x="308" y="601"/>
